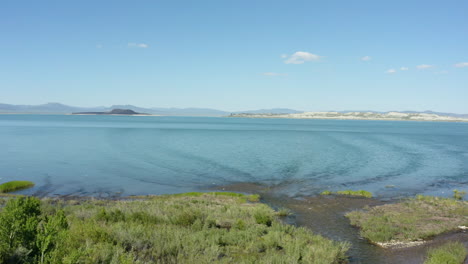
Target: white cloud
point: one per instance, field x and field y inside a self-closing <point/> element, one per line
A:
<point x="274" y="74"/>
<point x="284" y="56"/>
<point x="424" y="66"/>
<point x="404" y="68"/>
<point x="99" y="46"/>
<point x="300" y="57"/>
<point x="461" y="64"/>
<point x="138" y="45"/>
<point x="366" y="58"/>
<point x="391" y="71"/>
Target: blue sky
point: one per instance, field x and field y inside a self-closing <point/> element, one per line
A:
<point x="237" y="55"/>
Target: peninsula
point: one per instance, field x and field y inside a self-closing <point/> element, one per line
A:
<point x="396" y="116"/>
<point x="112" y="112"/>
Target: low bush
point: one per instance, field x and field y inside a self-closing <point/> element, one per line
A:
<point x="458" y="194"/>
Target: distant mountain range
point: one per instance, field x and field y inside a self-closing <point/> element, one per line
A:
<point x="58" y="108"/>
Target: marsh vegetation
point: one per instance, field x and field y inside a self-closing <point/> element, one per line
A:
<point x="184" y="228"/>
<point x="360" y="193"/>
<point x="413" y="219"/>
<point x="15" y="186"/>
<point x="450" y="253"/>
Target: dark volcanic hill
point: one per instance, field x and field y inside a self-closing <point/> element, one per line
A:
<point x="112" y="112"/>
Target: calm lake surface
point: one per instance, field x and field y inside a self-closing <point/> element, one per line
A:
<point x="127" y="155"/>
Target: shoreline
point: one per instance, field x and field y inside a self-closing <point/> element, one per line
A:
<point x="260" y="117"/>
<point x="325" y="215"/>
<point x="322" y="214"/>
<point x="348" y="119"/>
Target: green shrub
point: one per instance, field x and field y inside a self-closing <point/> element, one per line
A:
<point x="458" y="195"/>
<point x="263" y="218"/>
<point x="15" y="186"/>
<point x="450" y="253"/>
<point x="326" y="192"/>
<point x="18" y="229"/>
<point x="48" y="232"/>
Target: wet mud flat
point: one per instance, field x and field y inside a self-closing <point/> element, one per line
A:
<point x="325" y="215"/>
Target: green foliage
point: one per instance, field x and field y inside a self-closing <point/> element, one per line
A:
<point x="326" y="192"/>
<point x="194" y="228"/>
<point x="18" y="229"/>
<point x="458" y="194"/>
<point x="48" y="232"/>
<point x="418" y="218"/>
<point x="449" y="253"/>
<point x="263" y="218"/>
<point x="15" y="186"/>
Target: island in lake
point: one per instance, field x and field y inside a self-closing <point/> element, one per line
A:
<point x="112" y="112"/>
<point x="398" y="116"/>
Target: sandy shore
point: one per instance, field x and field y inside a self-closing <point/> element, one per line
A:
<point x="390" y="116"/>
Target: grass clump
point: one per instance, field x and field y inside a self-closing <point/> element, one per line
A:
<point x="283" y="212"/>
<point x="190" y="228"/>
<point x="450" y="253"/>
<point x="458" y="194"/>
<point x="360" y="193"/>
<point x="15" y="186"/>
<point x="418" y="218"/>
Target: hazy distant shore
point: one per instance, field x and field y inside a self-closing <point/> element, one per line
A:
<point x="390" y="116"/>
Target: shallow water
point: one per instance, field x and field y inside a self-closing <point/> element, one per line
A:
<point x="125" y="155"/>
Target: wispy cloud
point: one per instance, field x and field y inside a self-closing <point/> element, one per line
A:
<point x="366" y="58"/>
<point x="391" y="71"/>
<point x="300" y="57"/>
<point x="404" y="68"/>
<point x="274" y="74"/>
<point x="442" y="72"/>
<point x="99" y="46"/>
<point x="424" y="66"/>
<point x="284" y="56"/>
<point x="138" y="45"/>
<point x="461" y="64"/>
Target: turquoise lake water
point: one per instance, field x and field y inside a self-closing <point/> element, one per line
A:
<point x="127" y="155"/>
